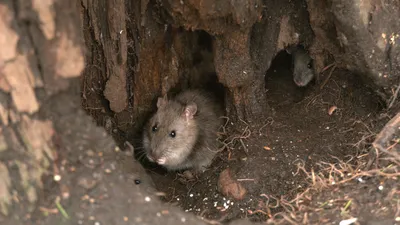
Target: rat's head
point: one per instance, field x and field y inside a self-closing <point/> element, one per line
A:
<point x="303" y="68"/>
<point x="171" y="133"/>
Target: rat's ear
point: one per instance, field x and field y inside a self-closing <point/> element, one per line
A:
<point x="162" y="101"/>
<point x="190" y="111"/>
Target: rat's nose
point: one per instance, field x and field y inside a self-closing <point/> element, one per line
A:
<point x="299" y="83"/>
<point x="161" y="161"/>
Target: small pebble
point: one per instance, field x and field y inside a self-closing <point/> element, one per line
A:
<point x="348" y="221"/>
<point x="380" y="187"/>
<point x="147" y="199"/>
<point x="97" y="223"/>
<point x="57" y="177"/>
<point x="126" y="218"/>
<point x="183" y="219"/>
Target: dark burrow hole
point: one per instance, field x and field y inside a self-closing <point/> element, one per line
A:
<point x="300" y="129"/>
<point x="279" y="79"/>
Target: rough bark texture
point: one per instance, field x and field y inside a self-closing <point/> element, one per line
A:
<point x="152" y="49"/>
<point x="164" y="43"/>
<point x="40" y="50"/>
<point x="362" y="36"/>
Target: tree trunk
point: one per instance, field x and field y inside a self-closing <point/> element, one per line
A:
<point x="147" y="49"/>
<point x="40" y="50"/>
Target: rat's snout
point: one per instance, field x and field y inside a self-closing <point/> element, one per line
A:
<point x="159" y="160"/>
<point x="150" y="157"/>
<point x="298" y="82"/>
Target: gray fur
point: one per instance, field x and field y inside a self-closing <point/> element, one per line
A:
<point x="303" y="69"/>
<point x="195" y="143"/>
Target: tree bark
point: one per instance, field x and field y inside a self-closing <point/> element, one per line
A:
<point x="40" y="52"/>
<point x="157" y="43"/>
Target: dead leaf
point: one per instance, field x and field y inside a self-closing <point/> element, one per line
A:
<point x="229" y="186"/>
<point x="331" y="110"/>
<point x="267" y="148"/>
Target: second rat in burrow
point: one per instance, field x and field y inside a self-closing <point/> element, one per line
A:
<point x="302" y="65"/>
<point x="183" y="133"/>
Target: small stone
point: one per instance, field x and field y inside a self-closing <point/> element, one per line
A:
<point x="229" y="186"/>
<point x="86" y="183"/>
<point x="188" y="175"/>
<point x="57" y="177"/>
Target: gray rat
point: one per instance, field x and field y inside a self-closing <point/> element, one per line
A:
<point x="302" y="64"/>
<point x="182" y="134"/>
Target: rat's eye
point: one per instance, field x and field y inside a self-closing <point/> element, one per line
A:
<point x="154" y="128"/>
<point x="309" y="65"/>
<point x="172" y="134"/>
